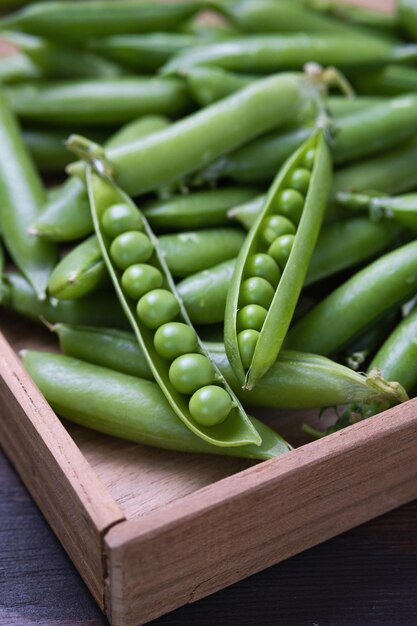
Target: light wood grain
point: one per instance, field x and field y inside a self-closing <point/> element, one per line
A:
<point x="72" y="498"/>
<point x="260" y="516"/>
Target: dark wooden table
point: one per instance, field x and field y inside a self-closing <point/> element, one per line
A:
<point x="367" y="576"/>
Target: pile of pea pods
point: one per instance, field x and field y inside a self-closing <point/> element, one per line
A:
<point x="213" y="205"/>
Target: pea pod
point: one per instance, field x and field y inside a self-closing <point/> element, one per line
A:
<point x="372" y="292"/>
<point x="78" y="21"/>
<point x="199" y="139"/>
<point x="58" y="61"/>
<point x="357" y="135"/>
<point x="268" y="16"/>
<point x="272" y="265"/>
<point x="17" y="67"/>
<point x="295" y="380"/>
<point x="125" y="407"/>
<point x="407" y="12"/>
<point x="142" y="52"/>
<point x="66" y="283"/>
<point x="199" y="209"/>
<point x="374" y="20"/>
<point x="397" y="357"/>
<point x="179" y="363"/>
<point x="21" y="198"/>
<point x="391" y="80"/>
<point x="102" y="309"/>
<point x="402" y="209"/>
<point x="262" y="54"/>
<point x="97" y="101"/>
<point x="67" y="215"/>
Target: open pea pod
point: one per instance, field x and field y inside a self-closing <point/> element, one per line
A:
<point x="192" y="384"/>
<point x="273" y="262"/>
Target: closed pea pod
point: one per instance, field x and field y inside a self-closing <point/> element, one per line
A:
<point x="79" y="273"/>
<point x="21" y="199"/>
<point x="397" y="357"/>
<point x="77" y="21"/>
<point x="199" y="139"/>
<point x="369" y="294"/>
<point x="157" y="308"/>
<point x="252" y="352"/>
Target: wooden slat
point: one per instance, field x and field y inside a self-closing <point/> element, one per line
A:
<point x="74" y="501"/>
<point x="260" y="516"/>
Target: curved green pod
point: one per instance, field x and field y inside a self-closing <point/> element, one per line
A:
<point x="407" y="13"/>
<point x="58" y="61"/>
<point x="295" y="380"/>
<point x="101" y="309"/>
<point x="397" y="357"/>
<point x="98" y="101"/>
<point x="269" y="16"/>
<point x="235" y="429"/>
<point x="369" y="294"/>
<point x="209" y="84"/>
<point x="262" y="54"/>
<point x="346" y="243"/>
<point x="391" y="80"/>
<point x="79" y="273"/>
<point x="198" y="209"/>
<point x="402" y="209"/>
<point x="78" y="21"/>
<point x="305" y="179"/>
<point x="204" y="293"/>
<point x="358" y="135"/>
<point x="142" y="52"/>
<point x="195" y="251"/>
<point x="18" y="67"/>
<point x="125" y="406"/>
<point x="22" y="197"/>
<point x="66" y="215"/>
<point x="192" y="143"/>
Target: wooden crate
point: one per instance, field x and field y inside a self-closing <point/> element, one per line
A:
<point x="151" y="530"/>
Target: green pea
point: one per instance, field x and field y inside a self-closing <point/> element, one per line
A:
<point x="157" y="307"/>
<point x="189" y="372"/>
<point x="129" y="248"/>
<point x="257" y="290"/>
<point x="140" y="278"/>
<point x="173" y="339"/>
<point x="119" y="218"/>
<point x="210" y="405"/>
<point x="246" y="341"/>
<point x="290" y="203"/>
<point x="281" y="248"/>
<point x="309" y="158"/>
<point x="263" y="266"/>
<point x="300" y="179"/>
<point x="276" y="225"/>
<point x="251" y="316"/>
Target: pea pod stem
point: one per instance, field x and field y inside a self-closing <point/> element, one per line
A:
<point x="402" y="209"/>
<point x="295" y="380"/>
<point x="125" y="406"/>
